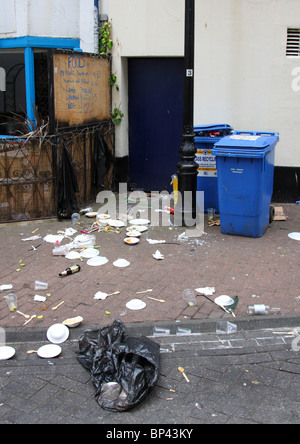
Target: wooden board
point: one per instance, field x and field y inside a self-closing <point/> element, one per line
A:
<point x="82" y="92"/>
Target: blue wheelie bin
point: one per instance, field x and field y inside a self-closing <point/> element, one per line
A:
<point x="245" y="164"/>
<point x="207" y="180"/>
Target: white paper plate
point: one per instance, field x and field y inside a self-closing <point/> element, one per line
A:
<point x="91" y="214"/>
<point x="97" y="261"/>
<point x="73" y="322"/>
<point x="103" y="216"/>
<point x="139" y="221"/>
<point x="49" y="351"/>
<point x="121" y="263"/>
<point x="131" y="240"/>
<point x="224" y="300"/>
<point x="58" y="333"/>
<point x="73" y="255"/>
<point x="134" y="233"/>
<point x="89" y="253"/>
<point x="140" y="228"/>
<point x="115" y="223"/>
<point x="6" y="353"/>
<point x="136" y="304"/>
<point x="295" y="236"/>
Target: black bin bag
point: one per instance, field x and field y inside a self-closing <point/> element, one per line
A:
<point x="123" y="368"/>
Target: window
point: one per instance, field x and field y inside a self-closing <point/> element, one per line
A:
<point x="293" y="42"/>
<point x="13" y="100"/>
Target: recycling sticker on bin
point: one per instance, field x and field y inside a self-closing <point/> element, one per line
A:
<point x="207" y="166"/>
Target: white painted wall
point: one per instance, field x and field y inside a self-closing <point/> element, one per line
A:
<point x="242" y="75"/>
<point x="49" y="18"/>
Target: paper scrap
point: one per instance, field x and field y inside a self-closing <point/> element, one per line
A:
<point x="206" y="291"/>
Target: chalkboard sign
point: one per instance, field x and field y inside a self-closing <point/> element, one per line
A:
<point x="82" y="92"/>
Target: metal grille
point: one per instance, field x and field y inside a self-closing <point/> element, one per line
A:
<point x="27" y="186"/>
<point x="293" y="42"/>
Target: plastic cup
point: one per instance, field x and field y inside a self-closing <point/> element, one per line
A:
<point x="211" y="214"/>
<point x="75" y="218"/>
<point x="189" y="297"/>
<point x="12" y="302"/>
<point x="39" y="285"/>
<point x="225" y="328"/>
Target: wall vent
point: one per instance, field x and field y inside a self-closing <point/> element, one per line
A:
<point x="293" y="42"/>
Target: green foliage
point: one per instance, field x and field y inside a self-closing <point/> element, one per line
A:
<point x="117" y="116"/>
<point x="105" y="42"/>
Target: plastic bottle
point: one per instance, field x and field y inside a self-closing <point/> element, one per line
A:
<point x="260" y="309"/>
<point x="70" y="270"/>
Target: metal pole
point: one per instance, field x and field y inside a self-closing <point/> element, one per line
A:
<point x="187" y="167"/>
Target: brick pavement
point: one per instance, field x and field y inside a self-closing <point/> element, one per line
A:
<point x="264" y="271"/>
<point x="249" y="377"/>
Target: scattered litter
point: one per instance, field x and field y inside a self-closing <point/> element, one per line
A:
<point x="157" y="300"/>
<point x="73" y="322"/>
<point x="30" y="319"/>
<point x="225" y="327"/>
<point x="97" y="261"/>
<point x="58" y="333"/>
<point x="161" y="332"/>
<point x="48" y="351"/>
<point x="279" y="214"/>
<point x="70" y="232"/>
<point x="131" y="240"/>
<point x="144" y="291"/>
<point x="55" y="308"/>
<point x="39" y="298"/>
<point x="72" y="255"/>
<point x="52" y="238"/>
<point x="189" y="296"/>
<point x="11" y="300"/>
<point x="121" y="263"/>
<point x="181" y="370"/>
<point x="6" y="353"/>
<point x="25" y="315"/>
<point x="123" y="369"/>
<point x="295" y="236"/>
<point x="40" y="285"/>
<point x="206" y="291"/>
<point x="261" y="309"/>
<point x="227" y="303"/>
<point x="100" y="296"/>
<point x="6" y="287"/>
<point x="153" y="241"/>
<point x="103" y="296"/>
<point x="158" y="256"/>
<point x="136" y="304"/>
<point x="32" y="238"/>
<point x="183" y="331"/>
<point x="89" y="253"/>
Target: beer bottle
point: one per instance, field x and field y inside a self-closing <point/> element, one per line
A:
<point x="70" y="270"/>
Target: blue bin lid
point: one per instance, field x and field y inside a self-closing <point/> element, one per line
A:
<point x="214" y="130"/>
<point x="248" y="140"/>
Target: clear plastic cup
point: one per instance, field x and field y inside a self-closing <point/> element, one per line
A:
<point x="211" y="214"/>
<point x="225" y="328"/>
<point x="11" y="300"/>
<point x="75" y="218"/>
<point x="189" y="296"/>
<point x="39" y="285"/>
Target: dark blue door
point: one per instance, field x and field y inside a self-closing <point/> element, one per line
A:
<point x="155" y="121"/>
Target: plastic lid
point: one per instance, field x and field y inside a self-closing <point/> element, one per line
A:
<point x="248" y="140"/>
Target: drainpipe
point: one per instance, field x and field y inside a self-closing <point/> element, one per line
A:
<point x="96" y="26"/>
